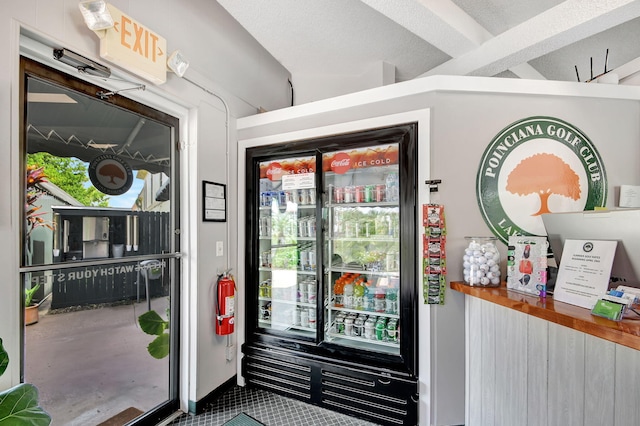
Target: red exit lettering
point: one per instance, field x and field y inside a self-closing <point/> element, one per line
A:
<point x="138" y="39"/>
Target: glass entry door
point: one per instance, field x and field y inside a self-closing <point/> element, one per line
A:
<point x="99" y="260"/>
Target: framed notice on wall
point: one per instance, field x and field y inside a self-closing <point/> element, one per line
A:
<point x="214" y="202"/>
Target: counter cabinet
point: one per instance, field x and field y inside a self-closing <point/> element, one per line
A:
<point x="531" y="361"/>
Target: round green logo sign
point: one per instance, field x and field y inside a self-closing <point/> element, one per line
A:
<point x="534" y="166"/>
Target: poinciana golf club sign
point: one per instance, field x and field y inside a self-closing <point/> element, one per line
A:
<point x="534" y="166"/>
<point x="110" y="174"/>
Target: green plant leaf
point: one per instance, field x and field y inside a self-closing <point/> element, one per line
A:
<point x="19" y="407"/>
<point x="152" y="323"/>
<point x="159" y="348"/>
<point x="4" y="359"/>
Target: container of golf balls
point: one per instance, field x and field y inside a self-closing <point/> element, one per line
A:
<point x="481" y="262"/>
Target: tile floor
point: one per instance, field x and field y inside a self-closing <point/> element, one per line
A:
<point x="268" y="408"/>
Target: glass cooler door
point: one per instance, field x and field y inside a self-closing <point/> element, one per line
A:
<point x="362" y="248"/>
<point x="288" y="286"/>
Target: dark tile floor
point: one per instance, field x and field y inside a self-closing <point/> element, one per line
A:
<point x="268" y="408"/>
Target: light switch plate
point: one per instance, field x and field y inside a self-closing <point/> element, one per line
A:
<point x="219" y="248"/>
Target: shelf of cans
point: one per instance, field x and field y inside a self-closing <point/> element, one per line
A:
<point x="302" y="197"/>
<point x="373" y="193"/>
<point x="299" y="317"/>
<point x="298" y="304"/>
<point x="380" y="330"/>
<point x="302" y="228"/>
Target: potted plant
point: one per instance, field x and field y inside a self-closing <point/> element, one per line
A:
<point x="31" y="315"/>
<point x="19" y="405"/>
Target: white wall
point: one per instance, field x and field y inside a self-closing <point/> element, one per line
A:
<point x="225" y="60"/>
<point x="315" y="87"/>
<point x="466" y="113"/>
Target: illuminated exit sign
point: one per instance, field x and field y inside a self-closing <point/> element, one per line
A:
<point x="134" y="47"/>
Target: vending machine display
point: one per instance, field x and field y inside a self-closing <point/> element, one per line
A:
<point x="331" y="272"/>
<point x="363" y="248"/>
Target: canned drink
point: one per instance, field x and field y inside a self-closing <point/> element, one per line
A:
<point x="266" y="226"/>
<point x="381" y="329"/>
<point x="295" y="319"/>
<point x="348" y="194"/>
<point x="379" y="193"/>
<point x="302" y="229"/>
<point x="369" y="193"/>
<point x="304" y="318"/>
<point x="370" y="328"/>
<point x="312" y="317"/>
<point x="348" y="326"/>
<point x="312" y="260"/>
<point x="303" y="196"/>
<point x="340" y="324"/>
<point x="358" y="327"/>
<point x="338" y="195"/>
<point x="311" y="287"/>
<point x="312" y="195"/>
<point x="265" y="199"/>
<point x="282" y="198"/>
<point x="266" y="259"/>
<point x="359" y="194"/>
<point x="302" y="292"/>
<point x="304" y="260"/>
<point x="311" y="227"/>
<point x="392" y="330"/>
<point x="291" y="196"/>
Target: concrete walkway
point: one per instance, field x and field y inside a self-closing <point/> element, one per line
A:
<point x="90" y="365"/>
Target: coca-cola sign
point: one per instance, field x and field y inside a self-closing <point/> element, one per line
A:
<point x="274" y="171"/>
<point x="341" y="163"/>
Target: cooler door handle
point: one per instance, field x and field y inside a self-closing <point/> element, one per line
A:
<point x="384" y="382"/>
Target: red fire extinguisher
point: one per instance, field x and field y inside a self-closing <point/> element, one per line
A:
<point x="225" y="303"/>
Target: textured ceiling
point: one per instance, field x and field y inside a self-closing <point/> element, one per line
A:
<point x="543" y="39"/>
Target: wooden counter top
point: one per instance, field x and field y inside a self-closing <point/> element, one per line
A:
<point x="625" y="332"/>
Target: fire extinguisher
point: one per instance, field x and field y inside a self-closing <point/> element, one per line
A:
<point x="225" y="303"/>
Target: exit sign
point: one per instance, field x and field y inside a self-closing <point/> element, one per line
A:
<point x="134" y="47"/>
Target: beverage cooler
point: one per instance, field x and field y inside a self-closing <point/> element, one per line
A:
<point x="331" y="272"/>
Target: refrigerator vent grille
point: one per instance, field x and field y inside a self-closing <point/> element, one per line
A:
<point x="367" y="413"/>
<point x="273" y="387"/>
<point x="370" y="383"/>
<point x="362" y="392"/>
<point x="304" y="368"/>
<point x="275" y="370"/>
<point x="385" y="398"/>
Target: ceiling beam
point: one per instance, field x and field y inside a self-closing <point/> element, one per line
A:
<point x="560" y="26"/>
<point x="444" y="25"/>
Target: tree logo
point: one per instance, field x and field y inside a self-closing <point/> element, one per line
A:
<point x="110" y="175"/>
<point x="534" y="166"/>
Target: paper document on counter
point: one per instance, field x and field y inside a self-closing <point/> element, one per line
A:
<point x="584" y="271"/>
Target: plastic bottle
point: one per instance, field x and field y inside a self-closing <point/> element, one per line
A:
<point x="392" y="186"/>
<point x="368" y="299"/>
<point x="358" y="294"/>
<point x="379" y="302"/>
<point x="392" y="301"/>
<point x="348" y="295"/>
<point x="338" y="292"/>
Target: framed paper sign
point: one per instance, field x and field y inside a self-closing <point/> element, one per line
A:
<point x="214" y="202"/>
